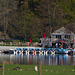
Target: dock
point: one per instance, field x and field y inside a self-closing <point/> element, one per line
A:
<point x="35" y="50"/>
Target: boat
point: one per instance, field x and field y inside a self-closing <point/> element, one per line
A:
<point x="62" y="51"/>
<point x="43" y="50"/>
<point x="25" y="50"/>
<point x="49" y="50"/>
<point x="19" y="50"/>
<point x="52" y="51"/>
<point x="11" y="51"/>
<point x="31" y="50"/>
<point x="71" y="51"/>
<point x="37" y="51"/>
<point x="65" y="51"/>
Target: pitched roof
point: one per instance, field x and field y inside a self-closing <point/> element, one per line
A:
<point x="63" y="31"/>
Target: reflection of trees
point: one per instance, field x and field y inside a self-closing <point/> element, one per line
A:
<point x="34" y="59"/>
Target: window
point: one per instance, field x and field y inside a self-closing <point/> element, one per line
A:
<point x="58" y="36"/>
<point x="67" y="36"/>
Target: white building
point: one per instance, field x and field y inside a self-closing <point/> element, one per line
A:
<point x="61" y="34"/>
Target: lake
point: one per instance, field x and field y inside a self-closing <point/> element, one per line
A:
<point x="57" y="59"/>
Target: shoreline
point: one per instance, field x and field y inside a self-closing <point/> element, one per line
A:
<point x="14" y="47"/>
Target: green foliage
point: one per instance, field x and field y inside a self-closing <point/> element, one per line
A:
<point x="30" y="19"/>
<point x="67" y="7"/>
<point x="7" y="41"/>
<point x="35" y="40"/>
<point x="33" y="5"/>
<point x="15" y="40"/>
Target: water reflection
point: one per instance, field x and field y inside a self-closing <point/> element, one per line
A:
<point x="34" y="59"/>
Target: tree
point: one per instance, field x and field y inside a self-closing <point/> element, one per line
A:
<point x="7" y="7"/>
<point x="71" y="26"/>
<point x="22" y="19"/>
<point x="33" y="6"/>
<point x="68" y="9"/>
<point x="50" y="14"/>
<point x="24" y="24"/>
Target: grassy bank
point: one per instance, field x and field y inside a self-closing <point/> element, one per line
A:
<point x="11" y="69"/>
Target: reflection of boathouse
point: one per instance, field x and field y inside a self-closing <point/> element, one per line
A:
<point x="61" y="34"/>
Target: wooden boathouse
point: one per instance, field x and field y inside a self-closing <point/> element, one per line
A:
<point x="61" y="34"/>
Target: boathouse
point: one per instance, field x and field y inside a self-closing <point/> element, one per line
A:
<point x="62" y="34"/>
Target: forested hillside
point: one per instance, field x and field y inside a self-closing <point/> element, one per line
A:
<point x="23" y="19"/>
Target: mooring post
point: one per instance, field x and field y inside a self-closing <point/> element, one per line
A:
<point x="40" y="68"/>
<point x="3" y="68"/>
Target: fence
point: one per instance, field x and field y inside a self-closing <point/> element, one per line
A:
<point x="16" y="69"/>
<point x="8" y="68"/>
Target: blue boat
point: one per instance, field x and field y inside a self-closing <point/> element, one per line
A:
<point x="63" y="51"/>
<point x="49" y="50"/>
<point x="43" y="50"/>
<point x="53" y="50"/>
<point x="60" y="51"/>
<point x="18" y="50"/>
<point x="71" y="51"/>
<point x="25" y="50"/>
<point x="31" y="50"/>
<point x="37" y="50"/>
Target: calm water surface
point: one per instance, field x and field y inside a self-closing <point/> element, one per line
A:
<point x="34" y="59"/>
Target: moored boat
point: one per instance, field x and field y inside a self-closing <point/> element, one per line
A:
<point x="62" y="51"/>
<point x="43" y="50"/>
<point x="25" y="50"/>
<point x="19" y="50"/>
<point x="37" y="51"/>
<point x="31" y="50"/>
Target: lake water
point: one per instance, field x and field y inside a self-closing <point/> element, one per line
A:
<point x="34" y="59"/>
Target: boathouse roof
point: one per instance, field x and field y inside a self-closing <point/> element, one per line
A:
<point x="63" y="31"/>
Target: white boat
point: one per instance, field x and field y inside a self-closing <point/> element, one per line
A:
<point x="65" y="51"/>
<point x="25" y="50"/>
<point x="19" y="50"/>
<point x="53" y="52"/>
<point x="37" y="51"/>
<point x="31" y="50"/>
<point x="43" y="50"/>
